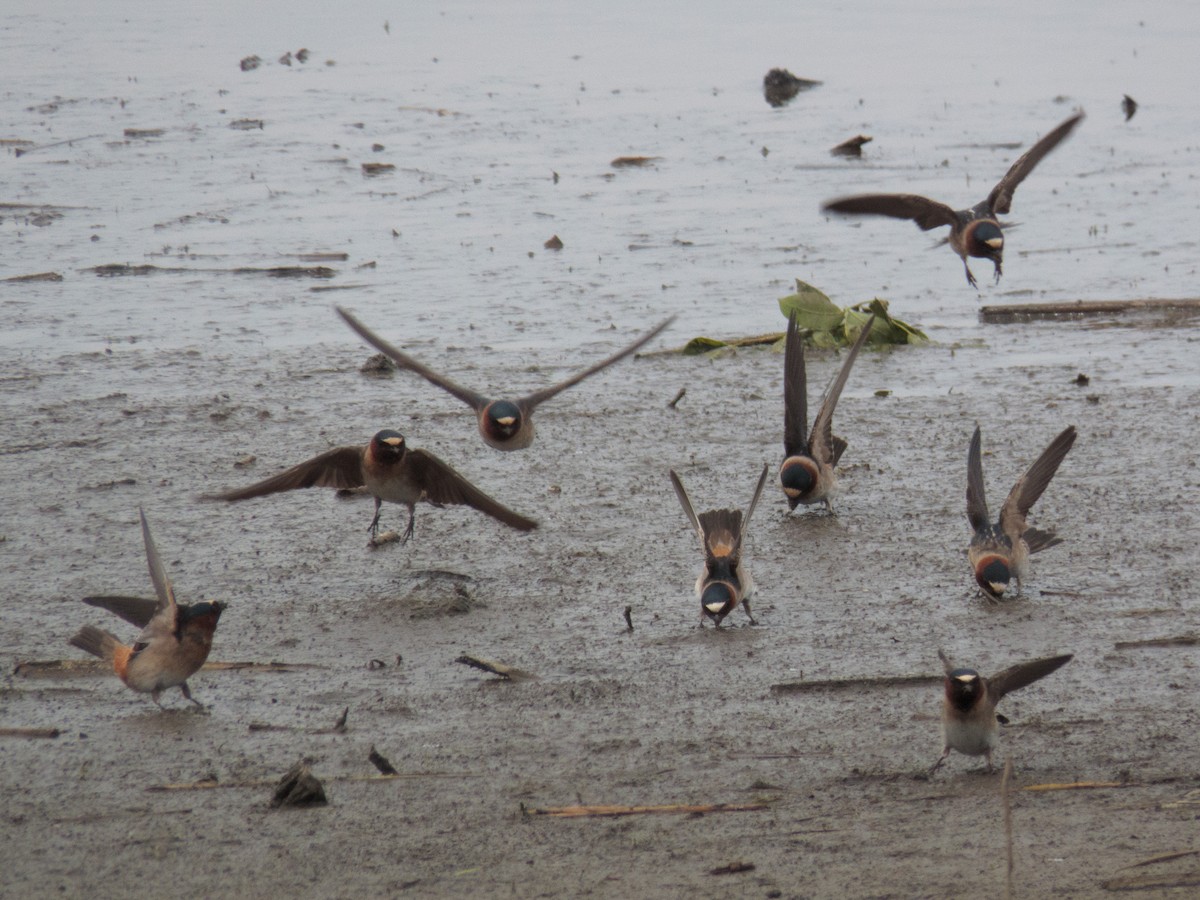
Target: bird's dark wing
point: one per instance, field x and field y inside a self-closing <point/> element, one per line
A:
<point x="134" y="610"/>
<point x="947" y="663"/>
<point x="925" y="212"/>
<point x="339" y="468"/>
<point x="1000" y="199"/>
<point x="1039" y="540"/>
<point x="1024" y="673"/>
<point x="977" y="511"/>
<point x="443" y="485"/>
<point x="404" y="361"/>
<point x="158" y="574"/>
<point x="686" y="503"/>
<point x="531" y="401"/>
<point x="795" y="392"/>
<point x="1030" y="486"/>
<point x="762" y="480"/>
<point x="821" y="440"/>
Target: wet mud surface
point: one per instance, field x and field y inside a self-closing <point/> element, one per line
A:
<point x="152" y="389"/>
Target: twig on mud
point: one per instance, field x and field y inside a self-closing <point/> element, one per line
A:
<point x="30" y="732"/>
<point x="629" y="617"/>
<point x="1147" y="882"/>
<point x="604" y="811"/>
<point x="835" y="684"/>
<point x="21" y="151"/>
<point x="1164" y="857"/>
<point x="732" y="868"/>
<point x="210" y="784"/>
<point x="675" y="403"/>
<point x="1025" y="312"/>
<point x="110" y="270"/>
<point x="1006" y="800"/>
<point x="1078" y="786"/>
<point x="1183" y="640"/>
<point x="495" y="668"/>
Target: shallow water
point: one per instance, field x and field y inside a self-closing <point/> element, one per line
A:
<point x="120" y="391"/>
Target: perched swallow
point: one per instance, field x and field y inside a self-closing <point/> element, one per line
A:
<point x="503" y="424"/>
<point x="390" y="470"/>
<point x="807" y="473"/>
<point x="1000" y="552"/>
<point x="724" y="581"/>
<point x="969" y="720"/>
<point x="973" y="232"/>
<point x="175" y="638"/>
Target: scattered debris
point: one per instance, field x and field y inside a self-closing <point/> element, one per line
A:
<point x="21" y="151"/>
<point x="603" y="811"/>
<point x="1128" y="106"/>
<point x="339" y="727"/>
<point x="1028" y="312"/>
<point x="380" y="762"/>
<point x="246" y="124"/>
<point x="674" y="404"/>
<point x="780" y="86"/>
<point x="495" y="668"/>
<point x="143" y="133"/>
<point x="1081" y="380"/>
<point x="555" y="243"/>
<point x="1076" y="786"/>
<point x="732" y="868"/>
<point x="112" y="270"/>
<point x="623" y="162"/>
<point x="40" y="276"/>
<point x="378" y="365"/>
<point x="372" y="169"/>
<point x="851" y="147"/>
<point x="433" y="593"/>
<point x="69" y="668"/>
<point x="1183" y="640"/>
<point x="629" y="617"/>
<point x="302" y="55"/>
<point x="245" y="461"/>
<point x="828" y="325"/>
<point x="838" y="684"/>
<point x="299" y="787"/>
<point x="323" y="257"/>
<point x="30" y="732"/>
<point x="250" y="63"/>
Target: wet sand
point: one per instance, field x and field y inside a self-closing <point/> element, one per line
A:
<point x="146" y="390"/>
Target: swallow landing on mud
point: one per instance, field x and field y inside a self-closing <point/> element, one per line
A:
<point x="807" y="473"/>
<point x="390" y="471"/>
<point x="973" y="232"/>
<point x="1000" y="552"/>
<point x="969" y="704"/>
<point x="724" y="581"/>
<point x="175" y="638"/>
<point x="503" y="424"/>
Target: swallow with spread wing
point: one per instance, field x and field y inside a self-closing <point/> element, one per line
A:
<point x="503" y="424"/>
<point x="999" y="551"/>
<point x="175" y="640"/>
<point x="973" y="232"/>
<point x="389" y="470"/>
<point x="724" y="581"/>
<point x="807" y="473"/>
<point x="969" y="721"/>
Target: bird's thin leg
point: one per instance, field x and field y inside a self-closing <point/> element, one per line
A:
<point x="988" y="757"/>
<point x="941" y="759"/>
<point x="188" y="694"/>
<point x="154" y="696"/>
<point x="970" y="277"/>
<point x="374" y="526"/>
<point x="996" y="262"/>
<point x="408" y="532"/>
<point x="829" y="507"/>
<point x="746" y="605"/>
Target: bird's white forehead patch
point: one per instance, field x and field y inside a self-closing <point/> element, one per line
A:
<point x="966" y="679"/>
<point x="506" y="420"/>
<point x="394" y="441"/>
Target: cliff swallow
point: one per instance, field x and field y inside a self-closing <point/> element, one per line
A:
<point x="175" y="638"/>
<point x="1000" y="552"/>
<point x="724" y="581"/>
<point x="807" y="473"/>
<point x="973" y="232"/>
<point x="390" y="470"/>
<point x="969" y="720"/>
<point x="503" y="424"/>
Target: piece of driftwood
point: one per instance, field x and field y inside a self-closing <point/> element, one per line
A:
<point x="1077" y="786"/>
<point x="839" y="684"/>
<point x="851" y="147"/>
<point x="299" y="787"/>
<point x="1183" y="640"/>
<point x="732" y="868"/>
<point x="1150" y="882"/>
<point x="38" y="276"/>
<point x="1025" y="312"/>
<point x="675" y="403"/>
<point x="625" y="162"/>
<point x="112" y="270"/>
<point x="30" y="732"/>
<point x="495" y="668"/>
<point x="629" y="618"/>
<point x="608" y="811"/>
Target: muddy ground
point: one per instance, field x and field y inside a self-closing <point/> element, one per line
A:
<point x="151" y="389"/>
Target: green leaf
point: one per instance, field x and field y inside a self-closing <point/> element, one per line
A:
<point x="698" y="345"/>
<point x="814" y="311"/>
